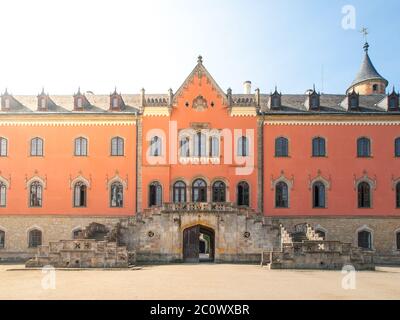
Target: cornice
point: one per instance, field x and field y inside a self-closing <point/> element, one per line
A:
<point x="331" y="123"/>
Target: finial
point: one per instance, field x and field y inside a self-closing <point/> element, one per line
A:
<point x="314" y="87"/>
<point x="42" y="93"/>
<point x="200" y="59"/>
<point x="366" y="47"/>
<point x="79" y="90"/>
<point x="6" y="92"/>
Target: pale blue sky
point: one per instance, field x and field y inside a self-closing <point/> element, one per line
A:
<point x="155" y="43"/>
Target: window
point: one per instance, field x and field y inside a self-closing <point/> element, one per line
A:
<point x="321" y="233"/>
<point x="318" y="147"/>
<point x="80" y="191"/>
<point x="243" y="194"/>
<point x="43" y="104"/>
<point x="3" y="147"/>
<point x="77" y="234"/>
<point x="115" y="102"/>
<point x="35" y="238"/>
<point x="353" y="102"/>
<point x="3" y="194"/>
<point x="117" y="147"/>
<point x="214" y="147"/>
<point x="35" y="194"/>
<point x="318" y="190"/>
<point x="363" y="148"/>
<point x="117" y="195"/>
<point x="398" y="195"/>
<point x="219" y="192"/>
<point x="393" y="104"/>
<point x="179" y="190"/>
<point x="155" y="194"/>
<point x="37" y="147"/>
<point x="398" y="240"/>
<point x="79" y="103"/>
<point x="199" y="191"/>
<point x="155" y="146"/>
<point x="397" y="147"/>
<point x="2" y="239"/>
<point x="314" y="102"/>
<point x="81" y="147"/>
<point x="275" y="102"/>
<point x="281" y="147"/>
<point x="365" y="240"/>
<point x="364" y="195"/>
<point x="7" y="103"/>
<point x="243" y="147"/>
<point x="375" y="87"/>
<point x="200" y="145"/>
<point x="184" y="147"/>
<point x="281" y="195"/>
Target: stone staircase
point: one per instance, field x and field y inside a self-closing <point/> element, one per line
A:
<point x="303" y="248"/>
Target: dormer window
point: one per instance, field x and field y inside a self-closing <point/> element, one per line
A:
<point x="7" y="103"/>
<point x="353" y="100"/>
<point x="375" y="88"/>
<point x="313" y="101"/>
<point x="393" y="101"/>
<point x="79" y="103"/>
<point x="42" y="101"/>
<point x="116" y="101"/>
<point x="275" y="99"/>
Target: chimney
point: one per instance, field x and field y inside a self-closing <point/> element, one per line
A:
<point x="247" y="87"/>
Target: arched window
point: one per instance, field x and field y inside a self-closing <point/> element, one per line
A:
<point x="375" y="88"/>
<point x="318" y="195"/>
<point x="214" y="147"/>
<point x="179" y="192"/>
<point x="281" y="147"/>
<point x="318" y="147"/>
<point x="155" y="194"/>
<point x="393" y="103"/>
<point x="243" y="147"/>
<point x="116" y="195"/>
<point x="314" y="102"/>
<point x="155" y="146"/>
<point x="2" y="239"/>
<point x="397" y="147"/>
<point x="200" y="145"/>
<point x="3" y="147"/>
<point x="199" y="191"/>
<point x="77" y="234"/>
<point x="398" y="195"/>
<point x="80" y="191"/>
<point x="3" y="194"/>
<point x="281" y="195"/>
<point x="36" y="147"/>
<point x="364" y="195"/>
<point x="184" y="147"/>
<point x="353" y="102"/>
<point x="363" y="148"/>
<point x="117" y="147"/>
<point x="35" y="238"/>
<point x="35" y="194"/>
<point x="243" y="194"/>
<point x="81" y="147"/>
<point x="365" y="239"/>
<point x="321" y="233"/>
<point x="398" y="240"/>
<point x="219" y="192"/>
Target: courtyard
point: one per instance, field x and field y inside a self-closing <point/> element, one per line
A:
<point x="197" y="282"/>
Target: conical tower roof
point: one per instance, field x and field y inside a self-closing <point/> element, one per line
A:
<point x="367" y="70"/>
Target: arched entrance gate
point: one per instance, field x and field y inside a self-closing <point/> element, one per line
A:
<point x="198" y="244"/>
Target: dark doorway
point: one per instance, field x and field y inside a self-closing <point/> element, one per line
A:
<point x="198" y="244"/>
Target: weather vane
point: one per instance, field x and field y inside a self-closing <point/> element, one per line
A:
<point x="365" y="33"/>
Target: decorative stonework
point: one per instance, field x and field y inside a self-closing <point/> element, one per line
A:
<point x="365" y="178"/>
<point x="36" y="177"/>
<point x="321" y="178"/>
<point x="80" y="177"/>
<point x="200" y="103"/>
<point x="282" y="177"/>
<point x="116" y="178"/>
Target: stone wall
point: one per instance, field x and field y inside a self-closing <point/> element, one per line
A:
<point x="54" y="228"/>
<point x="345" y="229"/>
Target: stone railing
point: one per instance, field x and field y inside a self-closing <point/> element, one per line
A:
<point x="215" y="207"/>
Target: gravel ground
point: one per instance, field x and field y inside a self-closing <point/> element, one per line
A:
<point x="197" y="282"/>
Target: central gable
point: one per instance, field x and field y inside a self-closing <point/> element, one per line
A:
<point x="199" y="91"/>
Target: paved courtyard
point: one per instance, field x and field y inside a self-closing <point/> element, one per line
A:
<point x="208" y="281"/>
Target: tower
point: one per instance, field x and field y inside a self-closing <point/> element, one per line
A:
<point x="368" y="81"/>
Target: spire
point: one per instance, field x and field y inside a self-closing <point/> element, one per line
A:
<point x="367" y="70"/>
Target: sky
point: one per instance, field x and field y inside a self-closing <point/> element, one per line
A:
<point x="154" y="44"/>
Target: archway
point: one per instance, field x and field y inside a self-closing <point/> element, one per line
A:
<point x="198" y="244"/>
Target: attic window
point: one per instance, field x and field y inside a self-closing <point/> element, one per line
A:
<point x="7" y="103"/>
<point x="43" y="103"/>
<point x="353" y="102"/>
<point x="314" y="102"/>
<point x="115" y="102"/>
<point x="275" y="102"/>
<point x="79" y="103"/>
<point x="375" y="88"/>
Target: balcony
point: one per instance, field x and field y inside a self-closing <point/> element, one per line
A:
<point x="210" y="207"/>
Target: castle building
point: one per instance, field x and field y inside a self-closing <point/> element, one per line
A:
<point x="202" y="173"/>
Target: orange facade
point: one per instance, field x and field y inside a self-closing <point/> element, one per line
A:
<point x="58" y="169"/>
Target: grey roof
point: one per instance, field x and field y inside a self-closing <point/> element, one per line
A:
<point x="367" y="72"/>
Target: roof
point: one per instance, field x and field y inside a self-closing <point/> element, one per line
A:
<point x="367" y="70"/>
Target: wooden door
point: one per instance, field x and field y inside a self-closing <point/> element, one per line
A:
<point x="191" y="244"/>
